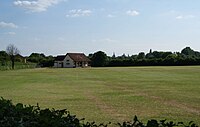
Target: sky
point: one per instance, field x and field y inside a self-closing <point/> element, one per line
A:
<point x="56" y="27"/>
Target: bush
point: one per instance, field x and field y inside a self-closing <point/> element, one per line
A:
<point x="155" y="123"/>
<point x="20" y="115"/>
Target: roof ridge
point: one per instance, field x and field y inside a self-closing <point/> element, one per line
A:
<point x="78" y="57"/>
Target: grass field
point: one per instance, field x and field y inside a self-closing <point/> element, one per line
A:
<point x="109" y="94"/>
<point x="18" y="65"/>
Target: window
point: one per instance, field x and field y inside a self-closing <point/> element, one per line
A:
<point x="67" y="63"/>
<point x="67" y="60"/>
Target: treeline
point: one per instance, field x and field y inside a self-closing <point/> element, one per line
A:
<point x="20" y="62"/>
<point x="39" y="60"/>
<point x="154" y="58"/>
<point x="100" y="59"/>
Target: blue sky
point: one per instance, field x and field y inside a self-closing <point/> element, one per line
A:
<point x="56" y="27"/>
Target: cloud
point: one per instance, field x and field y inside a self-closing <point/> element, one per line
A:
<point x="111" y="16"/>
<point x="180" y="17"/>
<point x="132" y="13"/>
<point x="79" y="13"/>
<point x="8" y="25"/>
<point x="37" y="5"/>
<point x="11" y="33"/>
<point x="108" y="40"/>
<point x="173" y="14"/>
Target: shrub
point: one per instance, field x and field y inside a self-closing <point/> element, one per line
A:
<point x="20" y="115"/>
<point x="155" y="123"/>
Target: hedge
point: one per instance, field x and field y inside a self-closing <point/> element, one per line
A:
<point x="20" y="115"/>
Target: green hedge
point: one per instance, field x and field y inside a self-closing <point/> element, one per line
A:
<point x="20" y="115"/>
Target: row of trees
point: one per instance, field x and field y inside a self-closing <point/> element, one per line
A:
<point x="100" y="59"/>
<point x="154" y="58"/>
<point x="41" y="59"/>
<point x="12" y="54"/>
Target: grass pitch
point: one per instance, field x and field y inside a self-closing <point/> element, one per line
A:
<point x="109" y="94"/>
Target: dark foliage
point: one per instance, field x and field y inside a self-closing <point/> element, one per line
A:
<point x="41" y="59"/>
<point x="99" y="59"/>
<point x="155" y="123"/>
<point x="4" y="57"/>
<point x="155" y="58"/>
<point x="20" y="115"/>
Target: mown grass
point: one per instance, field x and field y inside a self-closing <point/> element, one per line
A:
<point x="110" y="94"/>
<point x="18" y="65"/>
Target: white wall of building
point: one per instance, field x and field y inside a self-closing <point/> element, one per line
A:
<point x="58" y="64"/>
<point x="68" y="62"/>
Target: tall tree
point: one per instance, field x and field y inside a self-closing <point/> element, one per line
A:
<point x="141" y="55"/>
<point x="99" y="59"/>
<point x="12" y="51"/>
<point x="188" y="51"/>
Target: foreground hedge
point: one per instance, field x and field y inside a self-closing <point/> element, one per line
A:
<point x="20" y="115"/>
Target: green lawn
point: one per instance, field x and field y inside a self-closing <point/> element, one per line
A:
<point x="18" y="65"/>
<point x="109" y="94"/>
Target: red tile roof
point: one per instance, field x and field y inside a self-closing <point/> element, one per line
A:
<point x="78" y="57"/>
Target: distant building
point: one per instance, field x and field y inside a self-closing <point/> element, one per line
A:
<point x="72" y="60"/>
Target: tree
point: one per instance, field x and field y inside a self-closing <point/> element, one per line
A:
<point x="48" y="61"/>
<point x="99" y="59"/>
<point x="3" y="57"/>
<point x="90" y="56"/>
<point x="41" y="59"/>
<point x="188" y="51"/>
<point x="12" y="51"/>
<point x="165" y="54"/>
<point x="36" y="57"/>
<point x="141" y="55"/>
